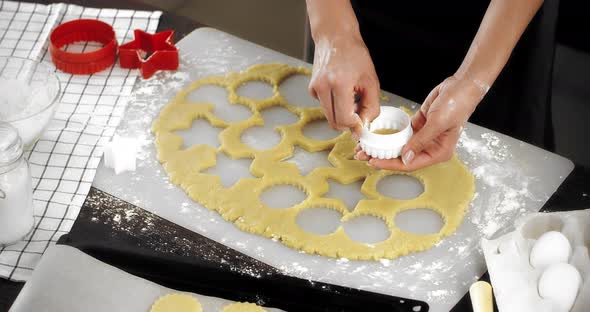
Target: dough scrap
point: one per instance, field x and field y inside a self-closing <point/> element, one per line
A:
<point x="448" y="187"/>
<point x="177" y="303"/>
<point x="242" y="307"/>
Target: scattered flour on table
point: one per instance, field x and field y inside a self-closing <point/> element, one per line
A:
<point x="490" y="165"/>
<point x="144" y="104"/>
<point x="130" y="221"/>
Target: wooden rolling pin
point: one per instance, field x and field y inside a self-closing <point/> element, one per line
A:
<point x="481" y="297"/>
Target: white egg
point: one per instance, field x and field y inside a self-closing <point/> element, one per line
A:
<point x="552" y="247"/>
<point x="559" y="284"/>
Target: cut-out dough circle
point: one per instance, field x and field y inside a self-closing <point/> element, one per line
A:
<point x="242" y="307"/>
<point x="177" y="303"/>
<point x="448" y="187"/>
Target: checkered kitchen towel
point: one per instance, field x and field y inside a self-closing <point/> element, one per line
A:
<point x="64" y="161"/>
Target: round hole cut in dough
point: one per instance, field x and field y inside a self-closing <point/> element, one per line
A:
<point x="419" y="221"/>
<point x="366" y="229"/>
<point x="320" y="220"/>
<point x="282" y="196"/>
<point x="261" y="138"/>
<point x="552" y="247"/>
<point x="448" y="187"/>
<point x="177" y="303"/>
<point x="295" y="90"/>
<point x="222" y="108"/>
<point x="256" y="90"/>
<point x="319" y="130"/>
<point x="242" y="307"/>
<point x="400" y="186"/>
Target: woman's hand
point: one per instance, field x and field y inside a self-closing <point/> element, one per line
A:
<point x="344" y="78"/>
<point x="437" y="125"/>
<point x="343" y="69"/>
<point x="343" y="66"/>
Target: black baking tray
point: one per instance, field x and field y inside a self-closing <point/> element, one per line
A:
<point x="175" y="257"/>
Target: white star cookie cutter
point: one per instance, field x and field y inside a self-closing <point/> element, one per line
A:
<point x="386" y="146"/>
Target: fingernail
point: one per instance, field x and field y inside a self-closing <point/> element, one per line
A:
<point x="407" y="157"/>
<point x="356" y="156"/>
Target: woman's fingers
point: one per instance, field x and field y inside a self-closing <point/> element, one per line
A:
<point x="324" y="95"/>
<point x="424" y="159"/>
<point x="441" y="150"/>
<point x="430" y="98"/>
<point x="344" y="106"/>
<point x="368" y="108"/>
<point x="418" y="121"/>
<point x="431" y="130"/>
<point x="361" y="155"/>
<point x="437" y="126"/>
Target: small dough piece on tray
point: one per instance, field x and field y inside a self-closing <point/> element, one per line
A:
<point x="177" y="303"/>
<point x="242" y="307"/>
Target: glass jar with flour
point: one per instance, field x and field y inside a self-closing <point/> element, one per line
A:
<point x="16" y="192"/>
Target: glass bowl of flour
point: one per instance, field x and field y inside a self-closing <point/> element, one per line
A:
<point x="29" y="93"/>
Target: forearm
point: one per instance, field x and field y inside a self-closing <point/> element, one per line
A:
<point x="331" y="18"/>
<point x="500" y="30"/>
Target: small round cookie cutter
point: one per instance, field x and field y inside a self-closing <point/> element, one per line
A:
<point x="387" y="146"/>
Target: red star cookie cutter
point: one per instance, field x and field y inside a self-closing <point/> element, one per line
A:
<point x="149" y="52"/>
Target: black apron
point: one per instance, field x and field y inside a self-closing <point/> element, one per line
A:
<point x="415" y="45"/>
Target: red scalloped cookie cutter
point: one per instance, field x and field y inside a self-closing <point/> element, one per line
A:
<point x="149" y="52"/>
<point x="84" y="63"/>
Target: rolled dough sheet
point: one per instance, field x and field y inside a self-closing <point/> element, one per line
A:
<point x="448" y="187"/>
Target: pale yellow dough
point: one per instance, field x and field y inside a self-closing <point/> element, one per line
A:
<point x="448" y="187"/>
<point x="242" y="307"/>
<point x="386" y="131"/>
<point x="177" y="303"/>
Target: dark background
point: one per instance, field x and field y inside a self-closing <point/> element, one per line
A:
<point x="571" y="82"/>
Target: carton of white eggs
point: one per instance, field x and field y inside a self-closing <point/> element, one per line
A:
<point x="544" y="265"/>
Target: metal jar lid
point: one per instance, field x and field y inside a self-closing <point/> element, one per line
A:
<point x="11" y="146"/>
